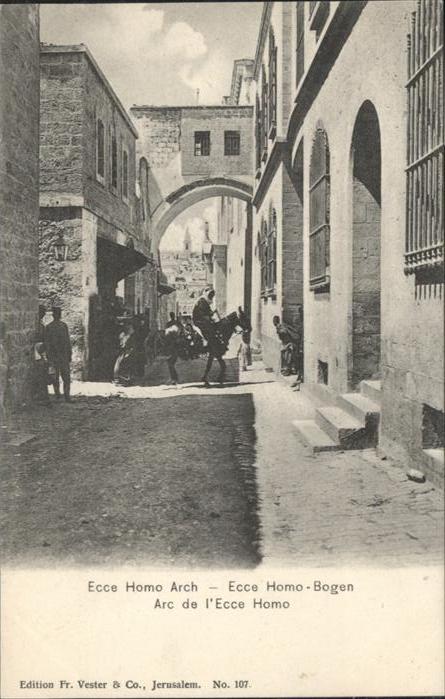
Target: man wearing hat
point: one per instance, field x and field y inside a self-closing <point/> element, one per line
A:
<point x="58" y="349"/>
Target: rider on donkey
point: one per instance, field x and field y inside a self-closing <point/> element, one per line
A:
<point x="203" y="315"/>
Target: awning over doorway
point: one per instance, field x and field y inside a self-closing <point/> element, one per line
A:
<point x="118" y="261"/>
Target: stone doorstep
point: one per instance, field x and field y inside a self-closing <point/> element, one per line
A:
<point x="337" y="423"/>
<point x="314" y="437"/>
<point x="372" y="390"/>
<point x="433" y="466"/>
<point x="360" y="407"/>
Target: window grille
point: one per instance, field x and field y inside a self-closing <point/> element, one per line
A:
<point x="125" y="174"/>
<point x="202" y="142"/>
<point x="425" y="142"/>
<point x="319" y="201"/>
<point x="114" y="162"/>
<point x="231" y="143"/>
<point x="272" y="97"/>
<point x="100" y="161"/>
<point x="264" y="120"/>
<point x="300" y="41"/>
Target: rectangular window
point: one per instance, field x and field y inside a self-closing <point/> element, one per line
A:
<point x="202" y="142"/>
<point x="319" y="214"/>
<point x="231" y="143"/>
<point x="424" y="241"/>
<point x="300" y="41"/>
<point x="125" y="174"/>
<point x="114" y="162"/>
<point x="272" y="96"/>
<point x="100" y="152"/>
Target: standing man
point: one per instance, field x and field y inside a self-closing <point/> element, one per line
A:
<point x="58" y="348"/>
<point x="290" y="348"/>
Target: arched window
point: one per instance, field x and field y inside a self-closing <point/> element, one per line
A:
<point x="143" y="184"/>
<point x="100" y="149"/>
<point x="264" y="119"/>
<point x="319" y="212"/>
<point x="272" y="101"/>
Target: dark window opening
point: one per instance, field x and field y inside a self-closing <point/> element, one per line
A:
<point x="125" y="174"/>
<point x="100" y="148"/>
<point x="114" y="162"/>
<point x="432" y="428"/>
<point x="202" y="142"/>
<point x="231" y="143"/>
<point x="323" y="372"/>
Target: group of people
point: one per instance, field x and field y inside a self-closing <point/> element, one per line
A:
<point x="52" y="357"/>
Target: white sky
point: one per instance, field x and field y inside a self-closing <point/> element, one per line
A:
<point x="159" y="53"/>
<point x="192" y="218"/>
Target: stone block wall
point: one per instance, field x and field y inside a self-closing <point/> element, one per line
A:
<point x="60" y="282"/>
<point x="292" y="251"/>
<point x="61" y="125"/>
<point x="19" y="196"/>
<point x="105" y="200"/>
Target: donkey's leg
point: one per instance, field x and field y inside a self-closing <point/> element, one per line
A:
<point x="207" y="370"/>
<point x="222" y="370"/>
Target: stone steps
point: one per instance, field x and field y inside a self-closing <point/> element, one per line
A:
<point x="313" y="436"/>
<point x="372" y="390"/>
<point x="434" y="465"/>
<point x="347" y="421"/>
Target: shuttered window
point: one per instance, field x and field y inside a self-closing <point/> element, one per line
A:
<point x="272" y="97"/>
<point x="319" y="208"/>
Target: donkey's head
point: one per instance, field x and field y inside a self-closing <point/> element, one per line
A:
<point x="243" y="320"/>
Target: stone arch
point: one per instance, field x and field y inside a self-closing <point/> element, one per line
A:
<point x="187" y="195"/>
<point x="365" y="167"/>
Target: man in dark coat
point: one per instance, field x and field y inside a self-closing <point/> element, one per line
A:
<point x="290" y="347"/>
<point x="58" y="349"/>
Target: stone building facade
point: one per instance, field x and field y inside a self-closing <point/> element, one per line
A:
<point x="94" y="228"/>
<point x="277" y="281"/>
<point x="362" y="258"/>
<point x="19" y="196"/>
<point x="192" y="154"/>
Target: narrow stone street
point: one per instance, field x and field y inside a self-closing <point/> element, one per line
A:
<point x="212" y="478"/>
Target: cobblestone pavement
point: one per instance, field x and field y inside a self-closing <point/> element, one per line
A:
<point x="204" y="477"/>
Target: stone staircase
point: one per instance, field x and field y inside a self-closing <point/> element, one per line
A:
<point x="347" y="421"/>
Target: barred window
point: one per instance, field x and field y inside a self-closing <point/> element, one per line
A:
<point x="300" y="41"/>
<point x="272" y="98"/>
<point x="125" y="174"/>
<point x="202" y="142"/>
<point x="114" y="162"/>
<point x="231" y="143"/>
<point x="319" y="212"/>
<point x="100" y="149"/>
<point x="424" y="241"/>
